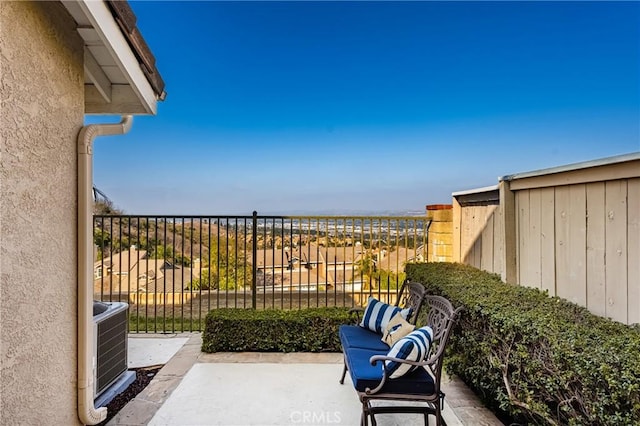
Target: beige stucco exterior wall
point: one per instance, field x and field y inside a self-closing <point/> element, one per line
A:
<point x="42" y="101"/>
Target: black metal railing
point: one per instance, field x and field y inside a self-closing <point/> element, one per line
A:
<point x="172" y="270"/>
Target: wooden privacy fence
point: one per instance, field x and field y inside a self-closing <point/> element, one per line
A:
<point x="572" y="230"/>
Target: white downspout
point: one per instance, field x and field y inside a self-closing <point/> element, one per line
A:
<point x="87" y="412"/>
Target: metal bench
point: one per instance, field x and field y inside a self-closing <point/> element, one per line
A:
<point x="365" y="356"/>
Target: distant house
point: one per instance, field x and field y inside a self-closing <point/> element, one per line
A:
<point x="394" y="261"/>
<point x="119" y="264"/>
<point x="289" y="267"/>
<point x="60" y="61"/>
<point x="307" y="266"/>
<point x="312" y="265"/>
<point x="132" y="272"/>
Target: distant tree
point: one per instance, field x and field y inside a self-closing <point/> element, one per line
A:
<point x="374" y="277"/>
<point x="120" y="244"/>
<point x="225" y="272"/>
<point x="366" y="267"/>
<point x="207" y="281"/>
<point x="102" y="207"/>
<point x="228" y="264"/>
<point x="389" y="279"/>
<point x="101" y="240"/>
<point x="168" y="253"/>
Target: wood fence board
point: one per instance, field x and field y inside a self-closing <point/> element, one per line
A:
<point x="633" y="244"/>
<point x="498" y="241"/>
<point x="477" y="253"/>
<point x="510" y="233"/>
<point x="520" y="204"/>
<point x="616" y="250"/>
<point x="547" y="241"/>
<point x="596" y="296"/>
<point x="562" y="242"/>
<point x="534" y="239"/>
<point x="466" y="242"/>
<point x="524" y="238"/>
<point x="578" y="243"/>
<point x="458" y="219"/>
<point x="486" y="260"/>
<point x="478" y="215"/>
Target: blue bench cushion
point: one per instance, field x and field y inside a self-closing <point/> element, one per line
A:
<point x="364" y="375"/>
<point x="354" y="336"/>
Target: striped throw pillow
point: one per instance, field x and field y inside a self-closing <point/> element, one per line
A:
<point x="377" y="315"/>
<point x="414" y="346"/>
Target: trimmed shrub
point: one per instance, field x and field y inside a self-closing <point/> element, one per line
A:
<point x="274" y="330"/>
<point x="537" y="359"/>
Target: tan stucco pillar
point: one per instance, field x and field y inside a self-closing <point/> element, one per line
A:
<point x="440" y="233"/>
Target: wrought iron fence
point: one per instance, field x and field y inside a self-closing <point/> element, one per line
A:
<point x="173" y="270"/>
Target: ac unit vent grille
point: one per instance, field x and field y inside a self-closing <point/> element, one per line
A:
<point x="111" y="350"/>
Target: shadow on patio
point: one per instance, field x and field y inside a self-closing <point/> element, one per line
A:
<point x="195" y="388"/>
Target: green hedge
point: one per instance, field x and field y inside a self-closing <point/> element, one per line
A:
<point x="274" y="330"/>
<point x="538" y="359"/>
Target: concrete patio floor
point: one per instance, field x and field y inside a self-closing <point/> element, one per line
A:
<point x="195" y="388"/>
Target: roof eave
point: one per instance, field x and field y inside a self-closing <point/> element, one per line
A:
<point x="633" y="156"/>
<point x="136" y="97"/>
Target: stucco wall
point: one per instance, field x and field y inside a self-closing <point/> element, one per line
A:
<point x="41" y="92"/>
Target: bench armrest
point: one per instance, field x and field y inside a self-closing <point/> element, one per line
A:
<point x="382" y="358"/>
<point x="356" y="312"/>
<point x="374" y="359"/>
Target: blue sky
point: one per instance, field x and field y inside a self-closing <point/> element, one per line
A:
<point x="300" y="107"/>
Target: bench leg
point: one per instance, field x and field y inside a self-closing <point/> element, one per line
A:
<point x="364" y="417"/>
<point x="439" y="405"/>
<point x="344" y="373"/>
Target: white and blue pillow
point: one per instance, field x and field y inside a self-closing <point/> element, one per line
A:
<point x="378" y="314"/>
<point x="414" y="346"/>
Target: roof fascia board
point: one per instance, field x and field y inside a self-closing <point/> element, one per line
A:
<point x="476" y="190"/>
<point x="624" y="166"/>
<point x="489" y="195"/>
<point x="573" y="167"/>
<point x="597" y="173"/>
<point x="98" y="13"/>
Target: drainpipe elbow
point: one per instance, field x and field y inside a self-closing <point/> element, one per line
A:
<point x="89" y="133"/>
<point x="89" y="415"/>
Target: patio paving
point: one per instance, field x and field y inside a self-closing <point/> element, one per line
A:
<point x="230" y="389"/>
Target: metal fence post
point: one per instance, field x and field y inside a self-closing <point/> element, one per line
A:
<point x="254" y="259"/>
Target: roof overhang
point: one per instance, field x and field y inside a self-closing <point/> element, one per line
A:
<point x="478" y="196"/>
<point x="116" y="77"/>
<point x="618" y="159"/>
<point x="626" y="166"/>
